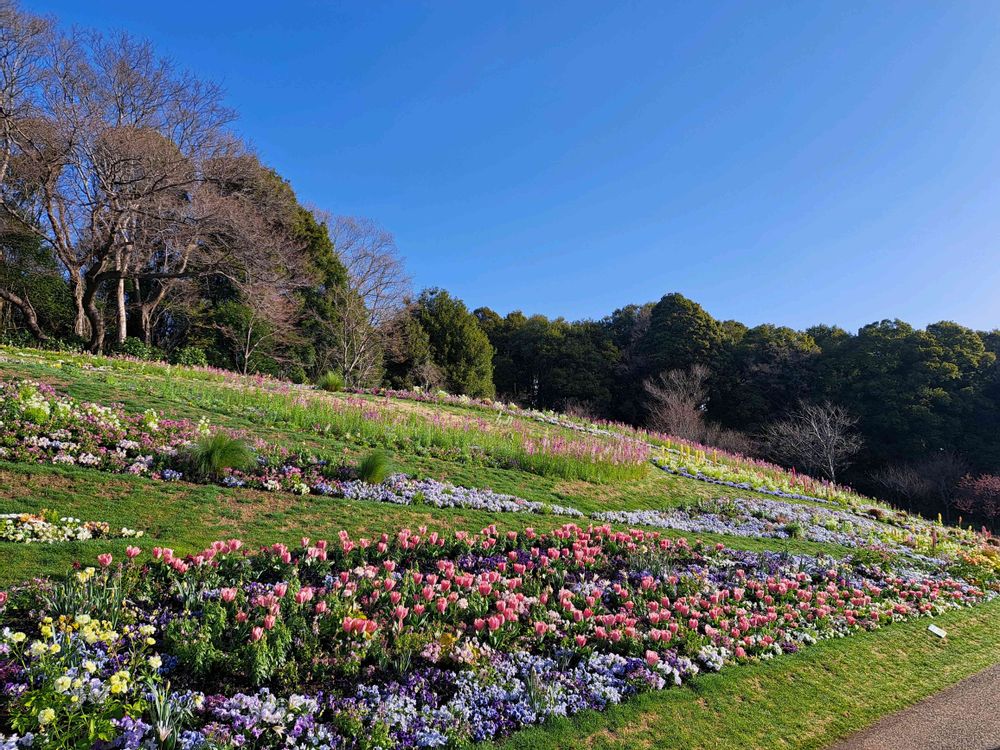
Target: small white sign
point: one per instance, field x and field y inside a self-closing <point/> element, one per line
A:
<point x="937" y="631"/>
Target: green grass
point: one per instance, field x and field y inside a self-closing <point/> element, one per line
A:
<point x="807" y="700"/>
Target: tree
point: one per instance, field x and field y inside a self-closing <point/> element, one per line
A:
<point x="458" y="345"/>
<point x="30" y="285"/>
<point x="408" y="357"/>
<point x="817" y="437"/>
<point x="766" y="368"/>
<point x="979" y="496"/>
<point x="103" y="143"/>
<point x="374" y="293"/>
<point x="680" y="334"/>
<point x="677" y="401"/>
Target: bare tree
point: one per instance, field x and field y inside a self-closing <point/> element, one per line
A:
<point x="817" y="437"/>
<point x="101" y="138"/>
<point x="354" y="346"/>
<point x="904" y="482"/>
<point x="677" y="401"/>
<point x="23" y="40"/>
<point x="376" y="288"/>
<point x="374" y="266"/>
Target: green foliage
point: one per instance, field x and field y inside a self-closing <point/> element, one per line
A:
<point x="212" y="454"/>
<point x="681" y="334"/>
<point x="409" y="360"/>
<point x="190" y="356"/>
<point x="374" y="467"/>
<point x="457" y="344"/>
<point x="133" y="347"/>
<point x="331" y="381"/>
<point x="296" y="373"/>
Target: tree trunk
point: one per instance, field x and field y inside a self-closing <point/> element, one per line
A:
<point x="80" y="325"/>
<point x="122" y="312"/>
<point x="146" y="321"/>
<point x="94" y="316"/>
<point x="27" y="312"/>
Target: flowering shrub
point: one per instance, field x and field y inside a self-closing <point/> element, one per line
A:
<point x="31" y="527"/>
<point x="415" y="639"/>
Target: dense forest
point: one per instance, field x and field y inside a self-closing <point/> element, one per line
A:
<point x="134" y="220"/>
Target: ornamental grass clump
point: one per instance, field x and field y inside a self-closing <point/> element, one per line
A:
<point x="211" y="455"/>
<point x="331" y="381"/>
<point x="374" y="468"/>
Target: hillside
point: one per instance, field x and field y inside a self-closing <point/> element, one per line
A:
<point x="548" y="566"/>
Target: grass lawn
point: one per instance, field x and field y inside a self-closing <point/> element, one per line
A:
<point x="807" y="700"/>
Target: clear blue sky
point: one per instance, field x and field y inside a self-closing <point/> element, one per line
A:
<point x="795" y="162"/>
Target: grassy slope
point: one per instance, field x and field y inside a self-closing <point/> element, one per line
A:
<point x="805" y="700"/>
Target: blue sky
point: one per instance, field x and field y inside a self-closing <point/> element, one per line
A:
<point x="777" y="162"/>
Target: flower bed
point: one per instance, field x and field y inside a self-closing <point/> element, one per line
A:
<point x="772" y="519"/>
<point x="415" y="639"/>
<point x="38" y="426"/>
<point x="683" y="457"/>
<point x="35" y="411"/>
<point x="403" y="490"/>
<point x="746" y="482"/>
<point x="28" y="528"/>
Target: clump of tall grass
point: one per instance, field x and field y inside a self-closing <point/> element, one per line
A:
<point x="210" y="455"/>
<point x="374" y="467"/>
<point x="331" y="381"/>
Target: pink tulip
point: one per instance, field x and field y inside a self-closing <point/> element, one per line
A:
<point x="269" y="622"/>
<point x="132" y="552"/>
<point x="227" y="594"/>
<point x="652" y="658"/>
<point x="105" y="559"/>
<point x="320" y="607"/>
<point x="541" y="629"/>
<point x="280" y="589"/>
<point x="3" y="598"/>
<point x="256" y="634"/>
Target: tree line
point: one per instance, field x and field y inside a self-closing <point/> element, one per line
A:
<point x="134" y="219"/>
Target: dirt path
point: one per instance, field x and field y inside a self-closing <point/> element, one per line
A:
<point x="966" y="716"/>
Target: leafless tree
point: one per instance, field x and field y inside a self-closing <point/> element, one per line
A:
<point x="677" y="401"/>
<point x="376" y="288"/>
<point x="103" y="143"/>
<point x="23" y="39"/>
<point x="930" y="482"/>
<point x="903" y="482"/>
<point x="817" y="437"/>
<point x="374" y="266"/>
